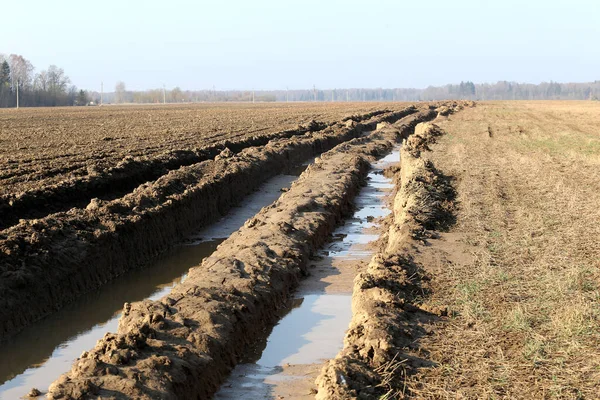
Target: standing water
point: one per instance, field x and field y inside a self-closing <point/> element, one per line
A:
<point x="39" y="354"/>
<point x="285" y="364"/>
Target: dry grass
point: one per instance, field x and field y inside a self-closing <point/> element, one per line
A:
<point x="525" y="307"/>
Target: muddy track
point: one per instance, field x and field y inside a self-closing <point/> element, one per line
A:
<point x="131" y="172"/>
<point x="49" y="262"/>
<point x="373" y="363"/>
<point x="184" y="345"/>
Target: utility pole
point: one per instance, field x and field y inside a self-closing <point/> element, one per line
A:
<point x="164" y="94"/>
<point x="252" y="95"/>
<point x="17" y="93"/>
<point x="287" y="94"/>
<point x="315" y="93"/>
<point x="101" y="92"/>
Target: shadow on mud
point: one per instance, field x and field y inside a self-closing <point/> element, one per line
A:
<point x="37" y="353"/>
<point x="438" y="213"/>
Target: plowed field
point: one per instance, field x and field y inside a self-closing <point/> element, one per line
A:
<point x="44" y="146"/>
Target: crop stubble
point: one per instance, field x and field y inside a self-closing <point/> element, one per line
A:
<point x="523" y="306"/>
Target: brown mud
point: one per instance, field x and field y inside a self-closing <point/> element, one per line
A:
<point x="130" y="172"/>
<point x="49" y="262"/>
<point x="387" y="321"/>
<point x="45" y="146"/>
<point x="185" y="344"/>
<point x="61" y="337"/>
<point x="288" y="360"/>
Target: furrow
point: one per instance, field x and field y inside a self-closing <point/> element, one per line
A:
<point x="185" y="344"/>
<point x="47" y="263"/>
<point x="373" y="363"/>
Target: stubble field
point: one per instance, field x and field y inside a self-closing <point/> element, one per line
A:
<point x="519" y="272"/>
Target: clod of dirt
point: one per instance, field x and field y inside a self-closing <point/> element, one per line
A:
<point x="224" y="154"/>
<point x="424" y="135"/>
<point x="95" y="204"/>
<point x="444" y="111"/>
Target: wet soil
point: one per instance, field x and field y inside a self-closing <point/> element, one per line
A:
<point x="63" y="337"/>
<point x="204" y="324"/>
<point x="110" y="237"/>
<point x="183" y="344"/>
<point x="381" y="345"/>
<point x="286" y="364"/>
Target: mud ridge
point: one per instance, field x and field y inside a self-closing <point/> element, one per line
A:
<point x="184" y="345"/>
<point x="130" y="172"/>
<point x="47" y="263"/>
<point x="385" y="301"/>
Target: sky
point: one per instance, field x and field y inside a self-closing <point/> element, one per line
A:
<point x="278" y="44"/>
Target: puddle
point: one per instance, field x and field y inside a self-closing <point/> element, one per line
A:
<point x="39" y="354"/>
<point x="286" y="364"/>
<point x="314" y="326"/>
<point x="267" y="194"/>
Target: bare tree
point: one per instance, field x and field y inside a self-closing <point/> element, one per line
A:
<point x="57" y="80"/>
<point x="176" y="95"/>
<point x="120" y="92"/>
<point x="41" y="81"/>
<point x="21" y="70"/>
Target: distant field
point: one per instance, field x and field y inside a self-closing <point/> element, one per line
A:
<point x="41" y="146"/>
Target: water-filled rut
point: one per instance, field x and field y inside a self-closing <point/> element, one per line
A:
<point x="37" y="355"/>
<point x="286" y="361"/>
<point x="50" y="262"/>
<point x="184" y="344"/>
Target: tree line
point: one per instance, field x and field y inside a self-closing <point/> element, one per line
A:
<point x="502" y="90"/>
<point x="48" y="87"/>
<point x="52" y="87"/>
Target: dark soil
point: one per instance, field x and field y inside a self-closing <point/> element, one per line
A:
<point x="49" y="262"/>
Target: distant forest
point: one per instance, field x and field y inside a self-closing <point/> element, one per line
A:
<point x="20" y="82"/>
<point x="502" y="90"/>
<point x="50" y="87"/>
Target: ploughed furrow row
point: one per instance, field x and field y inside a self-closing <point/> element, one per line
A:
<point x="47" y="263"/>
<point x="114" y="182"/>
<point x="185" y="344"/>
<point x="377" y="353"/>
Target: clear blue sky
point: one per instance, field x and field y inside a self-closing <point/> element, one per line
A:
<point x="274" y="44"/>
